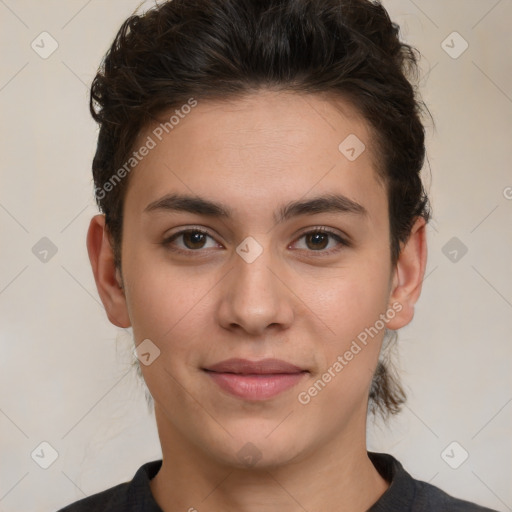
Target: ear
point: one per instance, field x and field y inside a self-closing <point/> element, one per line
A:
<point x="408" y="275"/>
<point x="108" y="278"/>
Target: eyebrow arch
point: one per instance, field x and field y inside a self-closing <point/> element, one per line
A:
<point x="336" y="203"/>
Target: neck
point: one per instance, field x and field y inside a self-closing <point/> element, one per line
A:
<point x="336" y="476"/>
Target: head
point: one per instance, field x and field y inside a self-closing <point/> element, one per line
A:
<point x="270" y="117"/>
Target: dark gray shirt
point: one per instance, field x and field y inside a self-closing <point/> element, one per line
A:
<point x="404" y="493"/>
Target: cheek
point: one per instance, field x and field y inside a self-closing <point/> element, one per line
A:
<point x="353" y="299"/>
<point x="352" y="305"/>
<point x="162" y="297"/>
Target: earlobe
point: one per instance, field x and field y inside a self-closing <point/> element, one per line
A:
<point x="409" y="274"/>
<point x="107" y="276"/>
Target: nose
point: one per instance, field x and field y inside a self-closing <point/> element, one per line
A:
<point x="255" y="296"/>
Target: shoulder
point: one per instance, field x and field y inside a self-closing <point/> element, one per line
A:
<point x="407" y="493"/>
<point x="430" y="497"/>
<point x="108" y="500"/>
<point x="126" y="497"/>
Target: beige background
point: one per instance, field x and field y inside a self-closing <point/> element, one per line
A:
<point x="65" y="376"/>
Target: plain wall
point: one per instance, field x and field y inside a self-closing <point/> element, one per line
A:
<point x="65" y="374"/>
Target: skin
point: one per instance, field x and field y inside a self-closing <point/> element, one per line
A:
<point x="295" y="301"/>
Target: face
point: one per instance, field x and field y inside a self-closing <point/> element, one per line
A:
<point x="249" y="235"/>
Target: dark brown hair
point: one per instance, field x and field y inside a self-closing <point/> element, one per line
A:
<point x="223" y="49"/>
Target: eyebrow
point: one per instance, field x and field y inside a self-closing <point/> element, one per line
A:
<point x="330" y="203"/>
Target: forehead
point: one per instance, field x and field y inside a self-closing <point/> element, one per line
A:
<point x="258" y="146"/>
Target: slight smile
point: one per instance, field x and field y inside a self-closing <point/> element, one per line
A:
<point x="255" y="380"/>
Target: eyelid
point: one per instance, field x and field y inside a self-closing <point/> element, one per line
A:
<point x="190" y="229"/>
<point x="324" y="229"/>
<point x="343" y="240"/>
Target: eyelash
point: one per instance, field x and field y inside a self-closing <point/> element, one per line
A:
<point x="167" y="243"/>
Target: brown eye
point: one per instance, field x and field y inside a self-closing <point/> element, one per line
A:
<point x="194" y="239"/>
<point x="321" y="240"/>
<point x="317" y="241"/>
<point x="190" y="240"/>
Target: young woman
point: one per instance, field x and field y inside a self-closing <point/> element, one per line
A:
<point x="262" y="232"/>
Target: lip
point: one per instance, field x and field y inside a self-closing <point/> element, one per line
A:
<point x="255" y="380"/>
<point x="263" y="366"/>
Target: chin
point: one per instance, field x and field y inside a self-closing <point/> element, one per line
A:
<point x="254" y="448"/>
